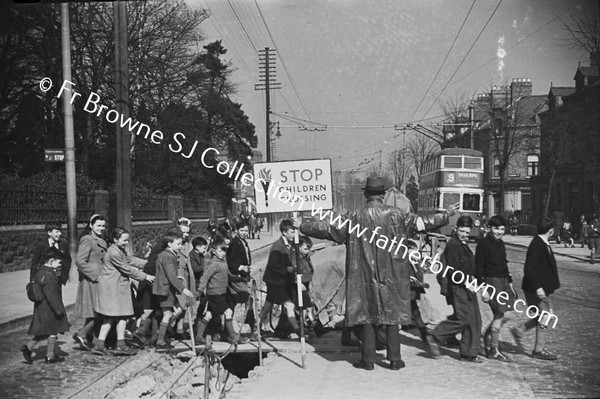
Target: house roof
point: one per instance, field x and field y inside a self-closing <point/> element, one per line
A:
<point x="561" y="91"/>
<point x="587" y="71"/>
<point x="528" y="106"/>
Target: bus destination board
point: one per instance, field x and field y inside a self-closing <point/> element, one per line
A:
<point x="461" y="179"/>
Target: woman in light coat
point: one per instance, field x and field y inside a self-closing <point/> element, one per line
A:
<point x="90" y="258"/>
<point x="114" y="289"/>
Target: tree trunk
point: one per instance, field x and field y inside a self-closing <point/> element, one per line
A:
<point x="502" y="188"/>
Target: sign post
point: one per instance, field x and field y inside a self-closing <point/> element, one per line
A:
<point x="294" y="186"/>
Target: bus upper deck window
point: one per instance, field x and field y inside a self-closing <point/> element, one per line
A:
<point x="473" y="163"/>
<point x="452" y="162"/>
<point x="471" y="202"/>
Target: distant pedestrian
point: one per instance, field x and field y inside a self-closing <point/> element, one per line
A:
<point x="114" y="301"/>
<point x="167" y="284"/>
<point x="53" y="240"/>
<point x="90" y="260"/>
<point x="585" y="227"/>
<point x="540" y="280"/>
<point x="492" y="268"/>
<point x="49" y="315"/>
<point x="594" y="237"/>
<point x="467" y="319"/>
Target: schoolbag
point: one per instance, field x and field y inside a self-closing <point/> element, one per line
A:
<point x="34" y="292"/>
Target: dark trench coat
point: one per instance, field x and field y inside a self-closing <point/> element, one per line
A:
<point x="377" y="279"/>
<point x="45" y="320"/>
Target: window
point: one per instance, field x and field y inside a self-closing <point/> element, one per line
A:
<point x="496" y="168"/>
<point x="452" y="162"/>
<point x="473" y="163"/>
<point x="471" y="202"/>
<point x="533" y="165"/>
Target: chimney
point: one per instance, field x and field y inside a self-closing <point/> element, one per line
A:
<point x="520" y="87"/>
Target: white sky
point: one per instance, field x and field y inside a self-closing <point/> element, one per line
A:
<point x="369" y="63"/>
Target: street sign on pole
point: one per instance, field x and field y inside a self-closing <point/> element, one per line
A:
<point x="293" y="186"/>
<point x="54" y="155"/>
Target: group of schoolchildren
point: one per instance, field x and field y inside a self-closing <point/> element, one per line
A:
<point x="176" y="274"/>
<point x="489" y="265"/>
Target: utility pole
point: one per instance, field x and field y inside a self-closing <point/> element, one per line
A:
<point x="267" y="81"/>
<point x="471" y="125"/>
<point x="123" y="179"/>
<point x="380" y="170"/>
<point x="403" y="161"/>
<point x="69" y="139"/>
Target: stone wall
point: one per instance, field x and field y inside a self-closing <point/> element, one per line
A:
<point x="17" y="243"/>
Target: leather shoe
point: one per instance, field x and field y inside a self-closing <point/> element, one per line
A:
<point x="26" y="354"/>
<point x="81" y="342"/>
<point x="364" y="365"/>
<point x="544" y="355"/>
<point x="55" y="359"/>
<point x="397" y="364"/>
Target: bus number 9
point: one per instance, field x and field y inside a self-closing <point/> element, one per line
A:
<point x="450" y="177"/>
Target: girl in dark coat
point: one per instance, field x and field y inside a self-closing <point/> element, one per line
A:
<point x="49" y="316"/>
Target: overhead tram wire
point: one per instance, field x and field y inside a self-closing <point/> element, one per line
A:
<point x="464" y="58"/>
<point x="230" y="43"/>
<point x="283" y="62"/>
<point x="444" y="61"/>
<point x="242" y="26"/>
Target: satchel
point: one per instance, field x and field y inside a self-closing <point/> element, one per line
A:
<point x="237" y="287"/>
<point x="34" y="292"/>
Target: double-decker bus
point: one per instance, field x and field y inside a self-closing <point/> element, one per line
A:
<point x="453" y="175"/>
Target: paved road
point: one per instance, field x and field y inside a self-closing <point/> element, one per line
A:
<point x="575" y="374"/>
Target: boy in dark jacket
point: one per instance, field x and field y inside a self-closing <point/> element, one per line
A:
<point x="540" y="280"/>
<point x="277" y="275"/>
<point x="462" y="297"/>
<point x="49" y="316"/>
<point x="492" y="268"/>
<point x="167" y="284"/>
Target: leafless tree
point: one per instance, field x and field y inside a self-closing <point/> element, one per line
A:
<point x="584" y="34"/>
<point x="418" y="149"/>
<point x="456" y="116"/>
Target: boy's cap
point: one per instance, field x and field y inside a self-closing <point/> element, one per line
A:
<point x="52" y="253"/>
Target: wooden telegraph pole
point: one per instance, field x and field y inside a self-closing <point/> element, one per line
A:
<point x="267" y="81"/>
<point x="69" y="139"/>
<point x="123" y="135"/>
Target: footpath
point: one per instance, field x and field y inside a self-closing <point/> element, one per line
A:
<point x="16" y="310"/>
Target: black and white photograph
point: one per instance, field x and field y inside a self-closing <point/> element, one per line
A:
<point x="299" y="199"/>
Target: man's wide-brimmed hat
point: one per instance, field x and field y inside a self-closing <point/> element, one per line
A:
<point x="374" y="185"/>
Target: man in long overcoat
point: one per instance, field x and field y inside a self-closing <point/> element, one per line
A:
<point x="377" y="268"/>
